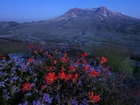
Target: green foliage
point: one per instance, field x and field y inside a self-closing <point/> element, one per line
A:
<point x="119" y="60"/>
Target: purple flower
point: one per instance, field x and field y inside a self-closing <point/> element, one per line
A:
<point x="80" y="83"/>
<point x="47" y="98"/>
<point x="25" y="103"/>
<point x="38" y="102"/>
<point x="84" y="102"/>
<point x="2" y="84"/>
<point x="74" y="102"/>
<point x="7" y="96"/>
<point x="57" y="97"/>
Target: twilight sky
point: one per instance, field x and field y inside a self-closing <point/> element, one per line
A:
<point x="35" y="10"/>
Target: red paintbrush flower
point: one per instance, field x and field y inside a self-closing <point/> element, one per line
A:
<point x="84" y="61"/>
<point x="63" y="60"/>
<point x="62" y="76"/>
<point x="85" y="54"/>
<point x="50" y="78"/>
<point x="76" y="75"/>
<point x="103" y="60"/>
<point x="72" y="68"/>
<point x="65" y="54"/>
<point x="68" y="77"/>
<point x="94" y="98"/>
<point x="54" y="61"/>
<point x="94" y="73"/>
<point x="26" y="86"/>
<point x="86" y="68"/>
<point x="31" y="60"/>
<point x="63" y="69"/>
<point x="51" y="68"/>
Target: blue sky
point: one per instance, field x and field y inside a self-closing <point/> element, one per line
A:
<point x="35" y="10"/>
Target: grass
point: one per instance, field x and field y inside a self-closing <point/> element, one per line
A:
<point x="119" y="60"/>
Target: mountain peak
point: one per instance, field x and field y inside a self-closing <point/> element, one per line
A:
<point x="102" y="7"/>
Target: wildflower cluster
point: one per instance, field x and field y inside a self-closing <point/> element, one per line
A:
<point x="50" y="76"/>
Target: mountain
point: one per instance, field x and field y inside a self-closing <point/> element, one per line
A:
<point x="102" y="19"/>
<point x="5" y="27"/>
<point x="91" y="26"/>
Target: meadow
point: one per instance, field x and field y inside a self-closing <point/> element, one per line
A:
<point x="35" y="74"/>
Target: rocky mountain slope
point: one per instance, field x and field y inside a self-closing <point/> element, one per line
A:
<point x="95" y="26"/>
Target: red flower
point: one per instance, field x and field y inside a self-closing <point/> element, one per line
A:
<point x="50" y="78"/>
<point x="31" y="60"/>
<point x="64" y="60"/>
<point x="43" y="87"/>
<point x="72" y="68"/>
<point x="3" y="58"/>
<point x="82" y="55"/>
<point x="54" y="61"/>
<point x="31" y="47"/>
<point x="86" y="68"/>
<point x="41" y="49"/>
<point x="62" y="75"/>
<point x="63" y="69"/>
<point x="84" y="61"/>
<point x="104" y="60"/>
<point x="1" y="55"/>
<point x="76" y="75"/>
<point x="68" y="77"/>
<point x="94" y="73"/>
<point x="26" y="86"/>
<point x="35" y="51"/>
<point x="94" y="98"/>
<point x="51" y="68"/>
<point x="68" y="59"/>
<point x="74" y="80"/>
<point x="65" y="54"/>
<point x="85" y="54"/>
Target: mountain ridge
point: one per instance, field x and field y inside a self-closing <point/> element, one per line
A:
<point x="92" y="26"/>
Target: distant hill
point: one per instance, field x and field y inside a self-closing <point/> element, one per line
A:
<point x="91" y="26"/>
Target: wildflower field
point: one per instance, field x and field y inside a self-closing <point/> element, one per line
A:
<point x="62" y="75"/>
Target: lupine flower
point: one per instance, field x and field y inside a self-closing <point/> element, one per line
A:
<point x="74" y="102"/>
<point x="46" y="98"/>
<point x="2" y="84"/>
<point x="57" y="97"/>
<point x="50" y="78"/>
<point x="26" y="86"/>
<point x="84" y="102"/>
<point x="80" y="83"/>
<point x="25" y="103"/>
<point x="94" y="98"/>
